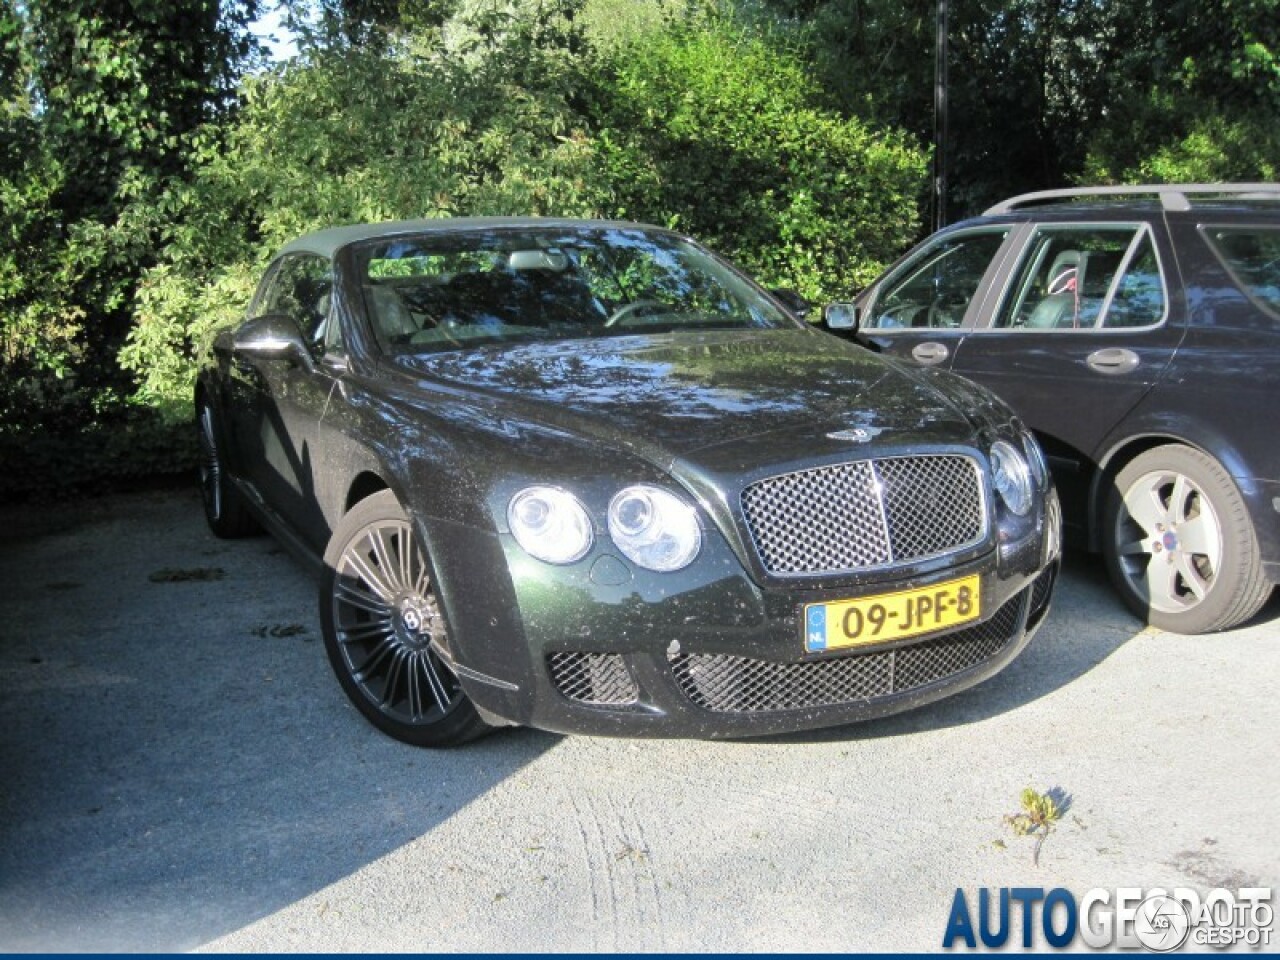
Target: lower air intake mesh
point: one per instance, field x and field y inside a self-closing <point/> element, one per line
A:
<point x="728" y="684"/>
<point x="596" y="678"/>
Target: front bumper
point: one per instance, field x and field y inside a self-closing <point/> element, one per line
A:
<point x="600" y="648"/>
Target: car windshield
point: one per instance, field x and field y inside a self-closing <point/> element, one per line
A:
<point x="441" y="291"/>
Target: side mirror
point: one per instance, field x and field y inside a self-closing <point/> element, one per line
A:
<point x="841" y="316"/>
<point x="793" y="302"/>
<point x="271" y="334"/>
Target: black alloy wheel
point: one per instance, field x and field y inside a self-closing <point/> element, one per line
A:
<point x="384" y="630"/>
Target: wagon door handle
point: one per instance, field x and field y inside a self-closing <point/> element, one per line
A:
<point x="1112" y="360"/>
<point x="929" y="353"/>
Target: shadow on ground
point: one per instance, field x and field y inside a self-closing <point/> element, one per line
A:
<point x="177" y="758"/>
<point x="1086" y="624"/>
<point x="177" y="761"/>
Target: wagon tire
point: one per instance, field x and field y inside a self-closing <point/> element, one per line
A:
<point x="1179" y="544"/>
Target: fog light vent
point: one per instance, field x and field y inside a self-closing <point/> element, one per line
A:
<point x="601" y="679"/>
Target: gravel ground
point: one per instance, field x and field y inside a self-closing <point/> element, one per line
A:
<point x="179" y="770"/>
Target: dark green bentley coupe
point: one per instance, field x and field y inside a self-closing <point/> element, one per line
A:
<point x="588" y="477"/>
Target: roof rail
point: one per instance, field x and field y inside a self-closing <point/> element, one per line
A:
<point x="1173" y="196"/>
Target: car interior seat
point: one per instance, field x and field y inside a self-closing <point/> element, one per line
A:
<point x="1060" y="306"/>
<point x="320" y="314"/>
<point x="391" y="316"/>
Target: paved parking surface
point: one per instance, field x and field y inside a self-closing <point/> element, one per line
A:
<point x="178" y="770"/>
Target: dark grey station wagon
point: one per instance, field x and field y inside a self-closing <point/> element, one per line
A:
<point x="1136" y="330"/>
<point x="586" y="476"/>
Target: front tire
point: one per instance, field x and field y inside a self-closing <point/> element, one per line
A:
<point x="1179" y="545"/>
<point x="384" y="630"/>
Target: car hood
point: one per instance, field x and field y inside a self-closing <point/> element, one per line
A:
<point x="727" y="396"/>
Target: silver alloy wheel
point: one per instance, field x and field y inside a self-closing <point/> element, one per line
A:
<point x="1168" y="541"/>
<point x="210" y="465"/>
<point x="388" y="625"/>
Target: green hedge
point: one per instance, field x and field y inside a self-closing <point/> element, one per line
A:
<point x="695" y="125"/>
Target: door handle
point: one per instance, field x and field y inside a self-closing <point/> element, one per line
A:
<point x="929" y="353"/>
<point x="1112" y="360"/>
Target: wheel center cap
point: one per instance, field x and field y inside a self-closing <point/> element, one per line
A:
<point x="1170" y="540"/>
<point x="412" y="619"/>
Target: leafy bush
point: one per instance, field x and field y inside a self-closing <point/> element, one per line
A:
<point x="510" y="112"/>
<point x="716" y="132"/>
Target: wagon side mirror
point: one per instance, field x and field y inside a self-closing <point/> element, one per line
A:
<point x="272" y="335"/>
<point x="841" y="316"/>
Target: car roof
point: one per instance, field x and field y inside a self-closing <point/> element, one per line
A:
<point x="1144" y="199"/>
<point x="1125" y="211"/>
<point x="329" y="241"/>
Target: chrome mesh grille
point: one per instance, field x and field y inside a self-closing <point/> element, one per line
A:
<point x="596" y="678"/>
<point x="934" y="504"/>
<point x="829" y="518"/>
<point x="869" y="513"/>
<point x="727" y="684"/>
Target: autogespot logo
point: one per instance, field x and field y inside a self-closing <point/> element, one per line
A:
<point x="1162" y="923"/>
<point x="1129" y="917"/>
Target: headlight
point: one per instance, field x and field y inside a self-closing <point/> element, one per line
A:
<point x="1035" y="455"/>
<point x="550" y="524"/>
<point x="654" y="528"/>
<point x="1011" y="476"/>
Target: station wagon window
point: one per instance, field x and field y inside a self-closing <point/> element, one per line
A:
<point x="934" y="288"/>
<point x="1073" y="278"/>
<point x="1252" y="256"/>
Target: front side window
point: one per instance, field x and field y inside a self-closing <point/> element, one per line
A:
<point x="448" y="290"/>
<point x="934" y="289"/>
<point x="300" y="290"/>
<point x="1252" y="255"/>
<point x="1086" y="278"/>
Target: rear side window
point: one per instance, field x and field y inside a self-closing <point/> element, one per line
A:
<point x="1086" y="278"/>
<point x="1252" y="256"/>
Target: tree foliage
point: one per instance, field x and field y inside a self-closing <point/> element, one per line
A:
<point x="726" y="136"/>
<point x="507" y="109"/>
<point x="150" y="163"/>
<point x="102" y="101"/>
<point x="1045" y="93"/>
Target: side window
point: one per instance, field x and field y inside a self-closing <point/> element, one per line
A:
<point x="333" y="342"/>
<point x="1139" y="297"/>
<point x="300" y="290"/>
<point x="935" y="287"/>
<point x="1075" y="278"/>
<point x="1252" y="256"/>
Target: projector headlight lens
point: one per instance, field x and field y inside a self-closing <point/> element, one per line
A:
<point x="654" y="528"/>
<point x="1011" y="476"/>
<point x="550" y="524"/>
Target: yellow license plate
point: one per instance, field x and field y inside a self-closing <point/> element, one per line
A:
<point x="891" y="616"/>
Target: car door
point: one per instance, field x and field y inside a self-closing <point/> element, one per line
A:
<point x="284" y="396"/>
<point x="925" y="306"/>
<point x="1081" y="330"/>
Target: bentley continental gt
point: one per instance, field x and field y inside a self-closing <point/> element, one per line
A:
<point x="589" y="477"/>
